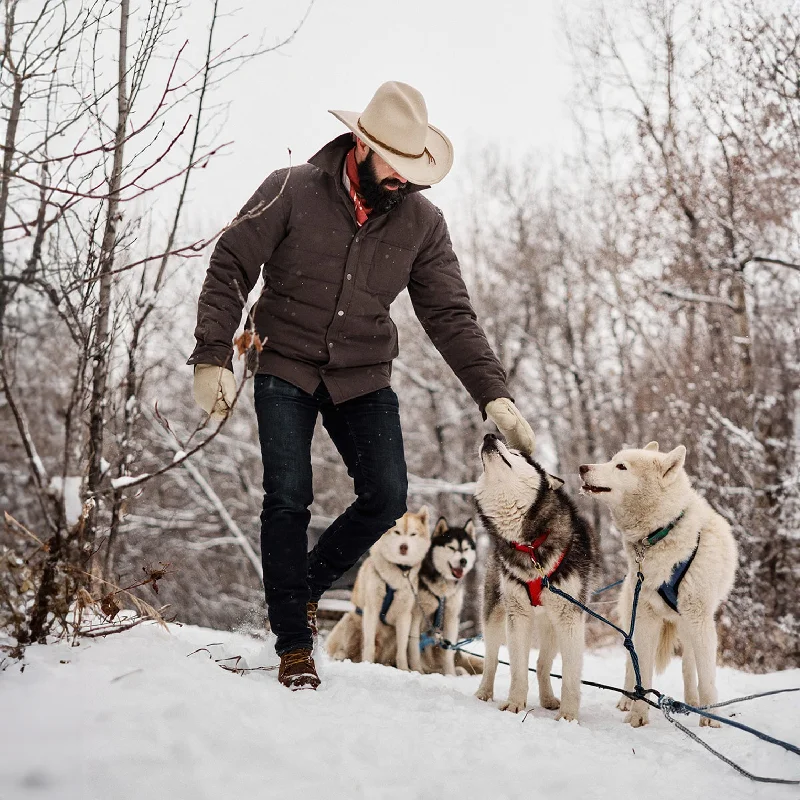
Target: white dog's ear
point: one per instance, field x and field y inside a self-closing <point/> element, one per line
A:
<point x="672" y="463"/>
<point x="469" y="528"/>
<point x="441" y="527"/>
<point x="423" y="514"/>
<point x="651" y="446"/>
<point x="554" y="482"/>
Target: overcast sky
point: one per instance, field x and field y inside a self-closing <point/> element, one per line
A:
<point x="492" y="73"/>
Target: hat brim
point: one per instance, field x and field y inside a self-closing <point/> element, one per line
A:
<point x="422" y="170"/>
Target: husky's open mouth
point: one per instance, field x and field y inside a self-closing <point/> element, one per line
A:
<point x="587" y="487"/>
<point x="458" y="572"/>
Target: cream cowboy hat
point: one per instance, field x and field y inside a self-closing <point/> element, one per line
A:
<point x="395" y="125"/>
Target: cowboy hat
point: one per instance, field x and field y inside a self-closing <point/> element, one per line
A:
<point x="395" y="125"/>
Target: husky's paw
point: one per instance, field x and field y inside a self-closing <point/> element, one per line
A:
<point x="705" y="722"/>
<point x="460" y="672"/>
<point x="513" y="707"/>
<point x="637" y="718"/>
<point x="624" y="704"/>
<point x="551" y="703"/>
<point x="487" y="695"/>
<point x="569" y="716"/>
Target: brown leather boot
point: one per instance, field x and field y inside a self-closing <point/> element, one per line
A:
<point x="311" y="614"/>
<point x="297" y="670"/>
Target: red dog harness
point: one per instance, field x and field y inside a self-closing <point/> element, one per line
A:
<point x="535" y="586"/>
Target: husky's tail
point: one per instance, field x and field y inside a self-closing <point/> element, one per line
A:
<point x="666" y="645"/>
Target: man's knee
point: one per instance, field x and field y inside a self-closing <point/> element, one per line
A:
<point x="287" y="496"/>
<point x="386" y="500"/>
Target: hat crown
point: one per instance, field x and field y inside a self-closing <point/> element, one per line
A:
<point x="397" y="116"/>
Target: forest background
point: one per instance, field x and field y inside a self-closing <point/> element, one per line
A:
<point x="641" y="283"/>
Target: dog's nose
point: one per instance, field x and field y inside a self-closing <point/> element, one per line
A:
<point x="403" y="549"/>
<point x="490" y="437"/>
<point x="583" y="469"/>
<point x="463" y="562"/>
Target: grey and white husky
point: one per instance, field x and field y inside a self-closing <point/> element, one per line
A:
<point x="531" y="522"/>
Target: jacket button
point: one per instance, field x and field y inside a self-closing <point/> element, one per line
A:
<point x="349" y="276"/>
<point x="341" y="313"/>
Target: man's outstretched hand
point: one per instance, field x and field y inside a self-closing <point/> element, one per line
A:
<point x="511" y="424"/>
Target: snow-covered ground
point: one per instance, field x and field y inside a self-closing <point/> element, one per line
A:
<point x="136" y="716"/>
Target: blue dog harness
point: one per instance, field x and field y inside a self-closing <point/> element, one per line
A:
<point x="668" y="591"/>
<point x="387" y="604"/>
<point x="430" y="636"/>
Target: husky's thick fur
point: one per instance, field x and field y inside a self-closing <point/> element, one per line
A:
<point x="647" y="491"/>
<point x="441" y="579"/>
<point x="519" y="502"/>
<point x="450" y="558"/>
<point x="394" y="561"/>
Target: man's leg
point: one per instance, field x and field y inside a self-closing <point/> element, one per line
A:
<point x="366" y="432"/>
<point x="286" y="418"/>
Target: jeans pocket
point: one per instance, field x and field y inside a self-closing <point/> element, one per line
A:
<point x="269" y="386"/>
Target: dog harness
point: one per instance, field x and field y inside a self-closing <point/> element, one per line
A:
<point x="429" y="637"/>
<point x="535" y="586"/>
<point x="385" y="606"/>
<point x="668" y="591"/>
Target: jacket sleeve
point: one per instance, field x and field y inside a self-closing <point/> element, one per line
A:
<point x="234" y="268"/>
<point x="442" y="305"/>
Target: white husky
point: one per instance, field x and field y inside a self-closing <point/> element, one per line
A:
<point x="687" y="555"/>
<point x="385" y="597"/>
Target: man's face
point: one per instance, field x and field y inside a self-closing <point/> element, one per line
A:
<point x="381" y="186"/>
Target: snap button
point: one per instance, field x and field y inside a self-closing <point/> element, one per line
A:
<point x="341" y="313"/>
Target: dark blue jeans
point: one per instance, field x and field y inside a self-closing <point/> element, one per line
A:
<point x="366" y="432"/>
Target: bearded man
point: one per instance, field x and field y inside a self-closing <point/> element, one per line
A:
<point x="339" y="238"/>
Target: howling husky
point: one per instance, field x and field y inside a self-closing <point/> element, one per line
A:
<point x="687" y="554"/>
<point x="535" y="530"/>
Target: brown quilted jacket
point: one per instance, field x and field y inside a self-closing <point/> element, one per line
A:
<point x="328" y="284"/>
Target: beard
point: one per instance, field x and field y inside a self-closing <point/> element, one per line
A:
<point x="376" y="195"/>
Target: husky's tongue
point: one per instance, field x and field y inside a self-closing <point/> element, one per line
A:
<point x="458" y="572"/>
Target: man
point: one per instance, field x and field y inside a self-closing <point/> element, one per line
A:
<point x="340" y="238"/>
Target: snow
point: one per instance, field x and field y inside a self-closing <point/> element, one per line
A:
<point x="135" y="715"/>
<point x="126" y="480"/>
<point x="70" y="489"/>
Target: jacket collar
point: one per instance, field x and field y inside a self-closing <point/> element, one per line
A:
<point x="331" y="157"/>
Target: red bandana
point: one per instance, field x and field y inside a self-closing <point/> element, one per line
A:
<point x="353" y="185"/>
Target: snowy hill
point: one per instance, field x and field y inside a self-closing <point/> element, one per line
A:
<point x="135" y="716"/>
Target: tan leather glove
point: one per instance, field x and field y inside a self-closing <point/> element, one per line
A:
<point x="511" y="424"/>
<point x="214" y="390"/>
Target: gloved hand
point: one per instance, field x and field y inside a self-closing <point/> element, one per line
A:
<point x="214" y="390"/>
<point x="511" y="424"/>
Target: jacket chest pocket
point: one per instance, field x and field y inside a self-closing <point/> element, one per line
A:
<point x="389" y="269"/>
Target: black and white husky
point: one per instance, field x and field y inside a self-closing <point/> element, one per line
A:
<point x="441" y="592"/>
<point x="535" y="530"/>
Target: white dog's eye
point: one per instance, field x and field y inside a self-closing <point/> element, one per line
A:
<point x="621" y="466"/>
